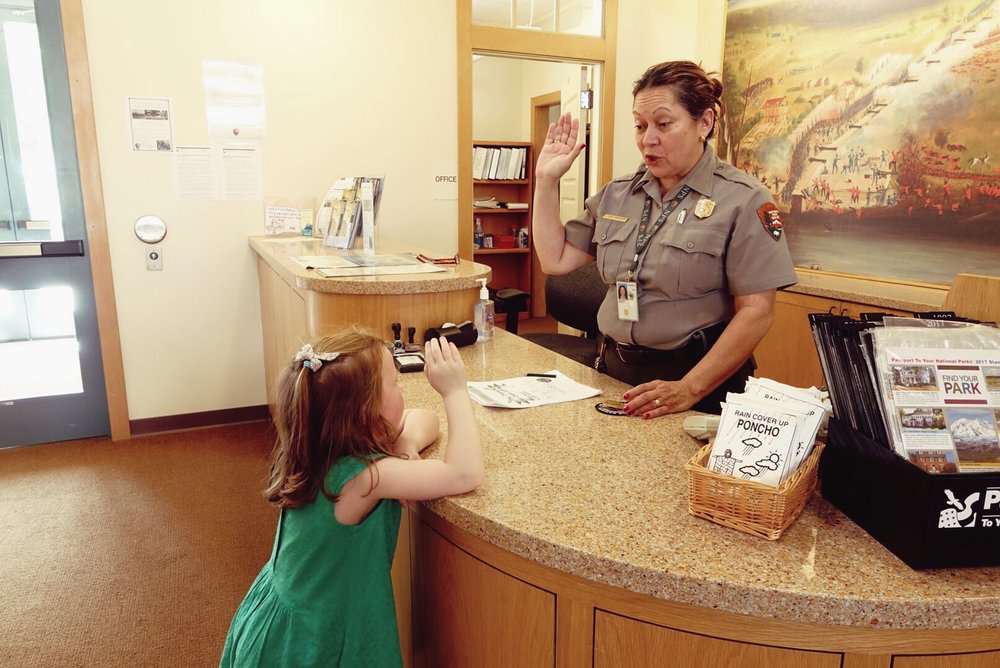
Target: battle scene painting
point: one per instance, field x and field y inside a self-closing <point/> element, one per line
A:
<point x="875" y="125"/>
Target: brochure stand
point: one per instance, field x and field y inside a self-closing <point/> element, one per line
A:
<point x="929" y="520"/>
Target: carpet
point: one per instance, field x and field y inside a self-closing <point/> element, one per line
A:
<point x="134" y="553"/>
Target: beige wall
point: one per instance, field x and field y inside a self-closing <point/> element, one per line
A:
<point x="350" y="87"/>
<point x="651" y="32"/>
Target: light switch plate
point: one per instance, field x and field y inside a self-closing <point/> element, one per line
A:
<point x="154" y="258"/>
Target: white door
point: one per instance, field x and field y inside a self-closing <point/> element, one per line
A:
<point x="51" y="377"/>
<point x="571" y="184"/>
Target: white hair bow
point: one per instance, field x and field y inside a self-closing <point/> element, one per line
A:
<point x="312" y="359"/>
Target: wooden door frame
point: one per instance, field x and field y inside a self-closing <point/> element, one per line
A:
<point x="85" y="129"/>
<point x="598" y="51"/>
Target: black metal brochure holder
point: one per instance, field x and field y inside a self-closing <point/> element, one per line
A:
<point x="941" y="520"/>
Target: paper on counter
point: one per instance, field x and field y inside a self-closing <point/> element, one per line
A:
<point x="529" y="391"/>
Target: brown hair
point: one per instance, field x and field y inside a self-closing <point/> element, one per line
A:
<point x="695" y="90"/>
<point x="326" y="414"/>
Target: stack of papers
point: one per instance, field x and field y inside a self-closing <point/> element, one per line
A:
<point x="767" y="432"/>
<point x="551" y="387"/>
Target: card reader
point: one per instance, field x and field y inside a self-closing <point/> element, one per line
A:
<point x="701" y="427"/>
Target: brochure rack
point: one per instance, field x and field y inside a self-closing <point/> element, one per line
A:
<point x="940" y="520"/>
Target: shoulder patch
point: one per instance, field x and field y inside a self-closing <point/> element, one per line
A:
<point x="770" y="218"/>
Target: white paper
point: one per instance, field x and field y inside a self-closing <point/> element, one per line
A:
<point x="368" y="216"/>
<point x="195" y="174"/>
<point x="529" y="391"/>
<point x="149" y="124"/>
<point x="241" y="174"/>
<point x="355" y="259"/>
<point x="325" y="261"/>
<point x="944" y="406"/>
<point x="234" y="100"/>
<point x="754" y="442"/>
<point x="811" y="408"/>
<point x="339" y="272"/>
<point x="280" y="219"/>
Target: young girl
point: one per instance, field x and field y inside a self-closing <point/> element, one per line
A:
<point x="346" y="451"/>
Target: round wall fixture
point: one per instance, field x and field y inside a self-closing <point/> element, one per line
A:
<point x="150" y="229"/>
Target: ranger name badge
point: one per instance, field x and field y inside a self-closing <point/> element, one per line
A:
<point x="704" y="208"/>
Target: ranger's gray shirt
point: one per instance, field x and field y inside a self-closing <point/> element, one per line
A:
<point x="689" y="272"/>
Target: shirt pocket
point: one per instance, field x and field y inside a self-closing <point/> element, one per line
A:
<point x="615" y="247"/>
<point x="691" y="262"/>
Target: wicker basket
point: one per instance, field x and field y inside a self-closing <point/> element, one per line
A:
<point x="758" y="509"/>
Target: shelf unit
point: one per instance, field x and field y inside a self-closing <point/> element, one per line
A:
<point x="512" y="267"/>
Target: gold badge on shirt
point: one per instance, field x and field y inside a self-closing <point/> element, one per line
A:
<point x="704" y="208"/>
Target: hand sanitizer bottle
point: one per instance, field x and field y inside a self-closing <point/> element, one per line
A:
<point x="483" y="313"/>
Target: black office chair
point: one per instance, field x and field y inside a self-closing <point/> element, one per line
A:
<point x="574" y="299"/>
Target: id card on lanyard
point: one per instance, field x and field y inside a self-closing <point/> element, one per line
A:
<point x="628" y="290"/>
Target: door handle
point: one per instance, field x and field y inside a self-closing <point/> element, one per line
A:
<point x="69" y="248"/>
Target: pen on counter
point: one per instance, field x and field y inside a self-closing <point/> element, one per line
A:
<point x="540" y="375"/>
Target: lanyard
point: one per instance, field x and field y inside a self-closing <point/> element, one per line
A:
<point x="642" y="238"/>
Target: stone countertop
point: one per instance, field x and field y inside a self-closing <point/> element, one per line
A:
<point x="278" y="251"/>
<point x="605" y="498"/>
<point x="886" y="294"/>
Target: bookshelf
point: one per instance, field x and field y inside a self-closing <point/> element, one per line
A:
<point x="503" y="171"/>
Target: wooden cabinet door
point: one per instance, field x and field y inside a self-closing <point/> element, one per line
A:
<point x="623" y="641"/>
<point x="787" y="353"/>
<point x="467" y="613"/>
<point x="976" y="660"/>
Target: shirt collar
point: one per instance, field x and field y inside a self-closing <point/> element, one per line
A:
<point x="699" y="178"/>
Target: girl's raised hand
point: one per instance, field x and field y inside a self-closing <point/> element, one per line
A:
<point x="443" y="367"/>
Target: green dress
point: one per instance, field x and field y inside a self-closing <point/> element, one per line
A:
<point x="325" y="597"/>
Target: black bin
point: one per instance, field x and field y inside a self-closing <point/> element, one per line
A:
<point x="941" y="520"/>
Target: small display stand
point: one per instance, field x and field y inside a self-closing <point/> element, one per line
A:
<point x="929" y="520"/>
<point x="747" y="506"/>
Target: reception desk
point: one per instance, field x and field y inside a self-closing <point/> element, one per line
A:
<point x="578" y="550"/>
<point x="298" y="304"/>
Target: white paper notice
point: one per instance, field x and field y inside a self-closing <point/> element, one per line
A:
<point x="195" y="174"/>
<point x="527" y="391"/>
<point x="280" y="219"/>
<point x="241" y="174"/>
<point x="234" y="100"/>
<point x="149" y="124"/>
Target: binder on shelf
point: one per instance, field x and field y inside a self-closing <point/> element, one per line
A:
<point x="514" y="172"/>
<point x="504" y="164"/>
<point x="478" y="162"/>
<point x="495" y="163"/>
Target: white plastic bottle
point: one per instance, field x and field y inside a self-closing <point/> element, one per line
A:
<point x="477" y="234"/>
<point x="483" y="313"/>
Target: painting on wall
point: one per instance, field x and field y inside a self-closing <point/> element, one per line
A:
<point x="876" y="126"/>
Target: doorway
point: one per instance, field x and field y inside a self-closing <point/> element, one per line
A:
<point x="52" y="387"/>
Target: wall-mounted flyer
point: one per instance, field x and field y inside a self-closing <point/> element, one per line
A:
<point x="149" y="124"/>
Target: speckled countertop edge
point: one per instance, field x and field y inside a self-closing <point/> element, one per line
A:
<point x="898" y="296"/>
<point x="278" y="252"/>
<point x="610" y="505"/>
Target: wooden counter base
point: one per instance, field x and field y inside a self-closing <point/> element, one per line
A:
<point x="297" y="305"/>
<point x="476" y="604"/>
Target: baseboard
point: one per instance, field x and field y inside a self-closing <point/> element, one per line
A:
<point x="183" y="421"/>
